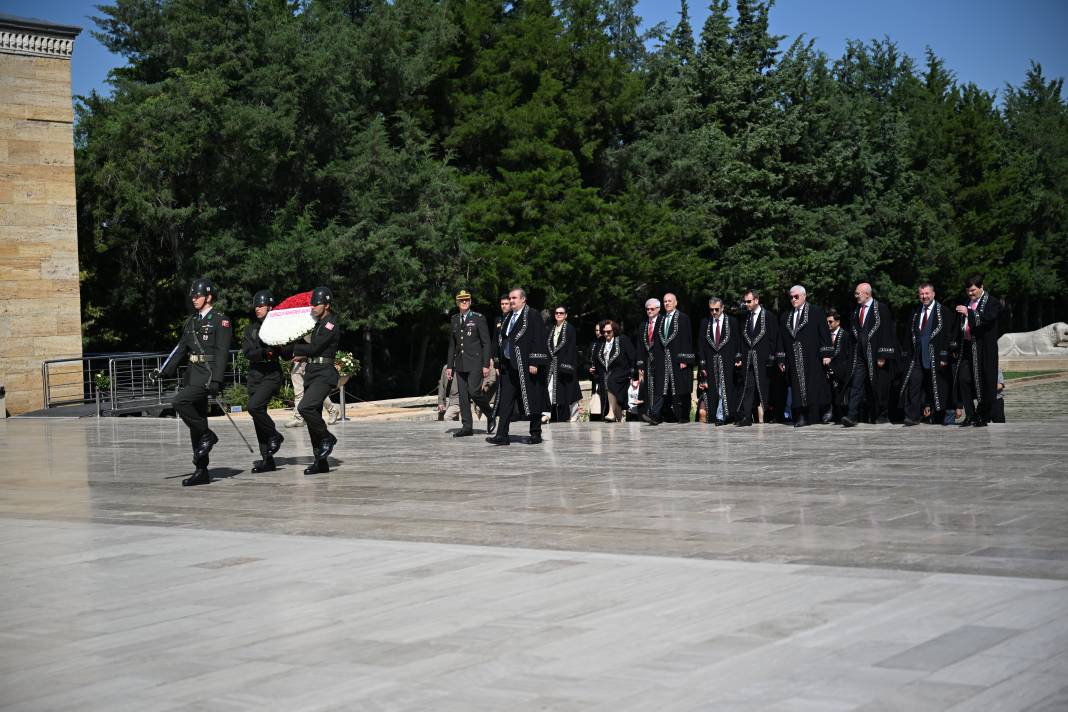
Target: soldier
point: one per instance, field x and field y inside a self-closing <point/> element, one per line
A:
<point x="320" y="378"/>
<point x="264" y="381"/>
<point x="205" y="343"/>
<point x="470" y="351"/>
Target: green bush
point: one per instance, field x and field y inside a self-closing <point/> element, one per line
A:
<point x="236" y="394"/>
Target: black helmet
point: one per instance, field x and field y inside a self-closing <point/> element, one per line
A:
<point x="263" y="298"/>
<point x="202" y="288"/>
<point x="321" y="295"/>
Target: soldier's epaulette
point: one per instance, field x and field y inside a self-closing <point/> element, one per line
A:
<point x="475" y="313"/>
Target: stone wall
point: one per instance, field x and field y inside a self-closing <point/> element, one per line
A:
<point x="40" y="310"/>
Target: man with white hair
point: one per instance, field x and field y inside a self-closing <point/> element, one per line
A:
<point x="650" y="359"/>
<point x="807" y="345"/>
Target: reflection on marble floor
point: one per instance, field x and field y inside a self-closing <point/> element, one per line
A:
<point x="987" y="501"/>
<point x="814" y="569"/>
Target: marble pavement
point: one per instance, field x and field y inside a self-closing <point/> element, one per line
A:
<point x="615" y="567"/>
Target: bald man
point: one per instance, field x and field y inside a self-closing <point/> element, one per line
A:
<point x="872" y="326"/>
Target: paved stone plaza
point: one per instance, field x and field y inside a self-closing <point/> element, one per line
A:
<point x="614" y="567"/>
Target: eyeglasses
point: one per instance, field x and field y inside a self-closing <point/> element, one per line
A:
<point x="607" y="331"/>
<point x="749" y="301"/>
<point x="561" y="313"/>
<point x="795" y="296"/>
<point x="651" y="308"/>
<point x="463" y="301"/>
<point x="715" y="309"/>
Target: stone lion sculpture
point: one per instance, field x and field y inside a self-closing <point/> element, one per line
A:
<point x="1050" y="340"/>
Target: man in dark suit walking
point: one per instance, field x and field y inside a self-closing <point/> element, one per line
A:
<point x="522" y="355"/>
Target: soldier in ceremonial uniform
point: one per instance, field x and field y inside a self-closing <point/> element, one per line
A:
<point x="264" y="382"/>
<point x="205" y="344"/>
<point x="321" y="377"/>
<point x="468" y="364"/>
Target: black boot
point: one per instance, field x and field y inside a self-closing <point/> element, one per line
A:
<point x="207" y="442"/>
<point x="326" y="446"/>
<point x="316" y="467"/>
<point x="274" y="444"/>
<point x="264" y="465"/>
<point x="200" y="477"/>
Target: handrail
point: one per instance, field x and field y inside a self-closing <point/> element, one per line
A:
<point x="64" y="383"/>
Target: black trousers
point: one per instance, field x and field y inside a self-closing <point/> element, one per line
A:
<point x="191" y="405"/>
<point x="262" y="388"/>
<point x="750" y="397"/>
<point x="873" y="395"/>
<point x="317" y="386"/>
<point x="469" y="388"/>
<point x="969" y="391"/>
<point x="919" y="393"/>
<point x="508" y="393"/>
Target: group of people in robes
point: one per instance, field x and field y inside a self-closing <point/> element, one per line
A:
<point x="804" y="365"/>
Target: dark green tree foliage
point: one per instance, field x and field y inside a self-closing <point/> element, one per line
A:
<point x="400" y="150"/>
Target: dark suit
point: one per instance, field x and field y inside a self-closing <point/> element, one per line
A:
<point x="470" y="350"/>
<point x="926" y="381"/>
<point x="205" y="341"/>
<point x="521" y="344"/>
<point x="649" y="350"/>
<point x="676" y="334"/>
<point x="716" y="361"/>
<point x="264" y="382"/>
<point x="615" y="369"/>
<point x="874" y="340"/>
<point x="806" y="340"/>
<point x="563" y="371"/>
<point x="321" y="376"/>
<point x="761" y="346"/>
<point x="975" y="368"/>
<point x="840" y="371"/>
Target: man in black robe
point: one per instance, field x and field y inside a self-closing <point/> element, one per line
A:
<point x="521" y="360"/>
<point x="676" y="334"/>
<point x="872" y="325"/>
<point x="839" y="371"/>
<point x="925" y="390"/>
<point x="564" y="391"/>
<point x="615" y="368"/>
<point x="975" y="370"/>
<point x="807" y="345"/>
<point x="650" y="361"/>
<point x="760" y="345"/>
<point x="719" y="349"/>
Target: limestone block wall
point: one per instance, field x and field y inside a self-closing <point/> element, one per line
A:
<point x="40" y="309"/>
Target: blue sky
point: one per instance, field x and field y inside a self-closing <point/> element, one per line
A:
<point x="989" y="42"/>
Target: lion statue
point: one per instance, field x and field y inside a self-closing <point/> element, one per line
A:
<point x="1050" y="340"/>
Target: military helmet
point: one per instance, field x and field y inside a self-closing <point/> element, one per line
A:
<point x="202" y="287"/>
<point x="321" y="295"/>
<point x="262" y="298"/>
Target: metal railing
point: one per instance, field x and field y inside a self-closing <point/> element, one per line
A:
<point x="73" y="381"/>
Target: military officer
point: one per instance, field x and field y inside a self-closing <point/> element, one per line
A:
<point x="205" y="344"/>
<point x="264" y="382"/>
<point x="320" y="378"/>
<point x="468" y="364"/>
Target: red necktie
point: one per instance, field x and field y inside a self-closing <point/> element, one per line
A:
<point x="923" y="324"/>
<point x="649" y="336"/>
<point x="717" y="333"/>
<point x="862" y="308"/>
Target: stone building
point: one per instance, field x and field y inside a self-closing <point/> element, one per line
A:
<point x="40" y="308"/>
